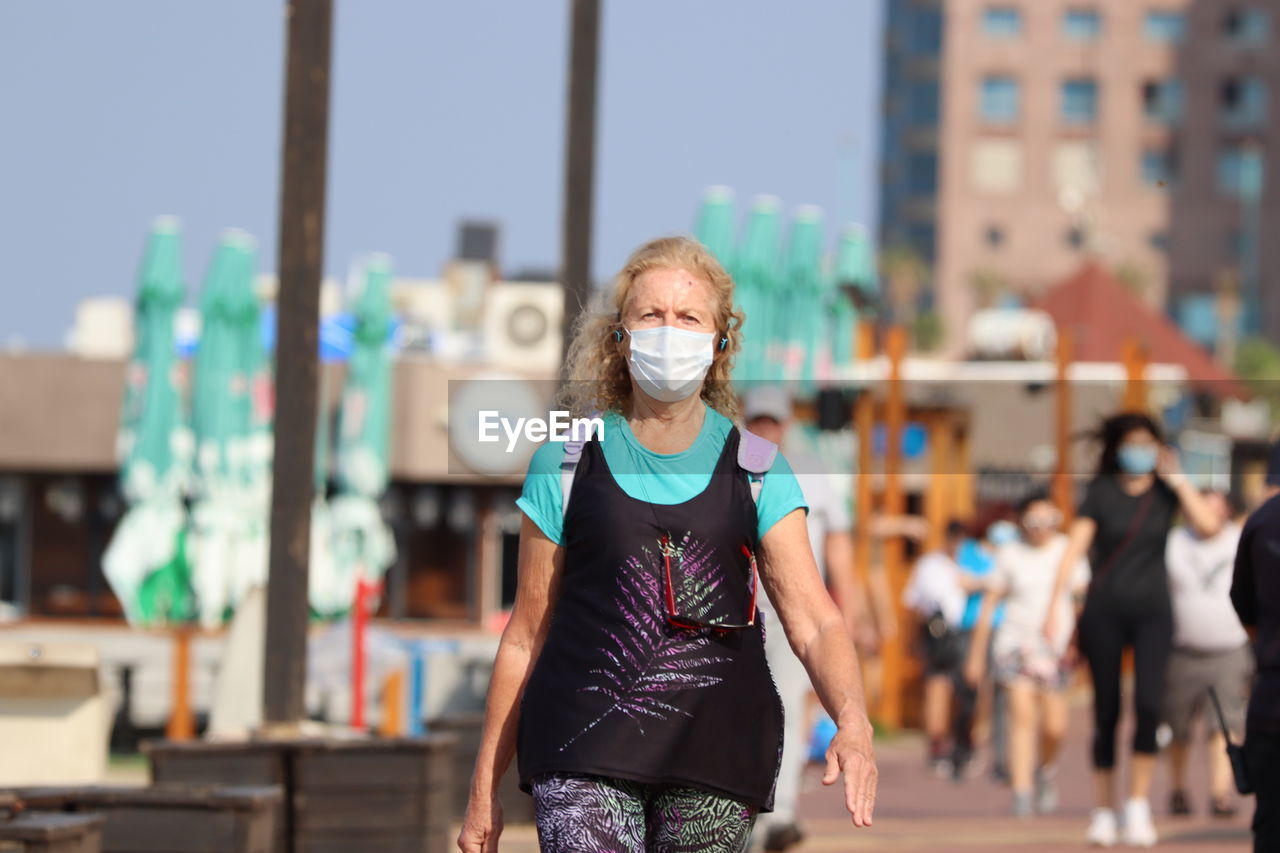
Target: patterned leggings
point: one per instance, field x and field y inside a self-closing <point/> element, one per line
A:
<point x="594" y="814"/>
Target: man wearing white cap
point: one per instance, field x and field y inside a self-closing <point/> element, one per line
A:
<point x="767" y="413"/>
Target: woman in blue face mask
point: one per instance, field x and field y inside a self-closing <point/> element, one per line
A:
<point x="631" y="680"/>
<point x="1122" y="526"/>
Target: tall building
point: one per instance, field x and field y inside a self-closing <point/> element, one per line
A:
<point x="1068" y="129"/>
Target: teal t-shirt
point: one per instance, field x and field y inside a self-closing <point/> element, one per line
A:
<point x="660" y="478"/>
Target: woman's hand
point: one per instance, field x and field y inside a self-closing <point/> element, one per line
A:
<point x="1169" y="467"/>
<point x="851" y="753"/>
<point x="481" y="825"/>
<point x="1051" y="629"/>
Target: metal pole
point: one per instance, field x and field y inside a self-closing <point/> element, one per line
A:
<point x="302" y="201"/>
<point x="579" y="164"/>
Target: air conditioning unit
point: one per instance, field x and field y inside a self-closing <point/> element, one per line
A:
<point x="1012" y="334"/>
<point x="522" y="325"/>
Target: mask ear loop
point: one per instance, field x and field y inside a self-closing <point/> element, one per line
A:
<point x="724" y="342"/>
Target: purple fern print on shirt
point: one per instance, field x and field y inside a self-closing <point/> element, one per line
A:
<point x="648" y="659"/>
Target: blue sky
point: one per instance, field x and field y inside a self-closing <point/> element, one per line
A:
<point x="117" y="112"/>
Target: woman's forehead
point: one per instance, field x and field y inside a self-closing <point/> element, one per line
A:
<point x="670" y="287"/>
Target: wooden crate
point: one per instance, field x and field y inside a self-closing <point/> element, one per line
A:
<point x="173" y="818"/>
<point x="53" y="832"/>
<point x="252" y="763"/>
<point x="380" y="796"/>
<point x="517" y="806"/>
<point x="372" y="795"/>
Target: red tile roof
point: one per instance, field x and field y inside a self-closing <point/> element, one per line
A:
<point x="1102" y="314"/>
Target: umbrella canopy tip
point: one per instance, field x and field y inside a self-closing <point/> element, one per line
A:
<point x="855" y="231"/>
<point x="238" y="238"/>
<point x="718" y="194"/>
<point x="378" y="262"/>
<point x="808" y="213"/>
<point x="166" y="224"/>
<point x="766" y="204"/>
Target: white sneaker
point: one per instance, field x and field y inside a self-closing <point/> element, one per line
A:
<point x="1139" y="831"/>
<point x="1102" y="829"/>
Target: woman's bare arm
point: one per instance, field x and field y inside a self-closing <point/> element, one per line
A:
<point x="816" y="631"/>
<point x="541" y="563"/>
<point x="1079" y="538"/>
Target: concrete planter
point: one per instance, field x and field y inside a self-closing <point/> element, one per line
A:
<point x="52" y="832"/>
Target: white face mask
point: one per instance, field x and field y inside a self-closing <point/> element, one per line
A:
<point x="669" y="363"/>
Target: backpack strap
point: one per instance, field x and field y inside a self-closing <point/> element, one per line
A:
<point x="755" y="456"/>
<point x="569" y="464"/>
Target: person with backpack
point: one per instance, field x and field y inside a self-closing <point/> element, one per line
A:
<point x="1123" y="525"/>
<point x="631" y="682"/>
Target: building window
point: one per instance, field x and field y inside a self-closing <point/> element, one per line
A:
<point x="996" y="166"/>
<point x="1164" y="26"/>
<point x="1243" y="103"/>
<point x="1159" y="241"/>
<point x="926" y="31"/>
<point x="1001" y="22"/>
<point x="1239" y="244"/>
<point x="1075" y="167"/>
<point x="998" y="100"/>
<point x="922" y="102"/>
<point x="1082" y="24"/>
<point x="1159" y="167"/>
<point x="1079" y="101"/>
<point x="921" y="237"/>
<point x="922" y="173"/>
<point x="1247" y="26"/>
<point x="1075" y="237"/>
<point x="994" y="235"/>
<point x="1162" y="101"/>
<point x="1240" y="172"/>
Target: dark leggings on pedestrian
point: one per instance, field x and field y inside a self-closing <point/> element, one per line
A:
<point x="1105" y="631"/>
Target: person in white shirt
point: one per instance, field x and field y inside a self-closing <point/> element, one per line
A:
<point x="937" y="592"/>
<point x="1034" y="669"/>
<point x="1210" y="649"/>
<point x="767" y="413"/>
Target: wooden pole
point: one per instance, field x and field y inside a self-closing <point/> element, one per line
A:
<point x="579" y="164"/>
<point x="301" y="255"/>
<point x="940" y="499"/>
<point x="1134" y="356"/>
<point x="1063" y="493"/>
<point x="894" y="652"/>
<point x="182" y="723"/>
<point x="864" y="423"/>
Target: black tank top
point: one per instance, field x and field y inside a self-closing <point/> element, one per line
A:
<point x="616" y="690"/>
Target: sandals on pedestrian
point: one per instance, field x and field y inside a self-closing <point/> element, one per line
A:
<point x="1179" y="804"/>
<point x="1222" y="807"/>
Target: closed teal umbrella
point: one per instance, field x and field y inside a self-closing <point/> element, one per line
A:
<point x="145" y="563"/>
<point x="363" y="545"/>
<point x="801" y="322"/>
<point x="228" y="518"/>
<point x="715" y="224"/>
<point x="756" y="273"/>
<point x="853" y="282"/>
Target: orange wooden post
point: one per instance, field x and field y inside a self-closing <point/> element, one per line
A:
<point x="182" y="723"/>
<point x="1134" y="356"/>
<point x="1063" y="493"/>
<point x="894" y="505"/>
<point x="864" y="424"/>
<point x="964" y="488"/>
<point x="940" y="499"/>
<point x="391" y="722"/>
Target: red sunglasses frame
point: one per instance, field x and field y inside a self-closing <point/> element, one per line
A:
<point x="693" y="624"/>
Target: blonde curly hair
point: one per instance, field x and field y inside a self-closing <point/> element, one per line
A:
<point x="598" y="379"/>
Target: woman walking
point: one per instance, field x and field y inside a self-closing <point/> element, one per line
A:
<point x="631" y="679"/>
<point x="1034" y="670"/>
<point x="1123" y="524"/>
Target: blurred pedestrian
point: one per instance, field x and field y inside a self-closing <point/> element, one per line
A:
<point x="1034" y="670"/>
<point x="1210" y="650"/>
<point x="1255" y="592"/>
<point x="1123" y="525"/>
<point x="982" y="704"/>
<point x="767" y="413"/>
<point x="631" y="679"/>
<point x="936" y="592"/>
